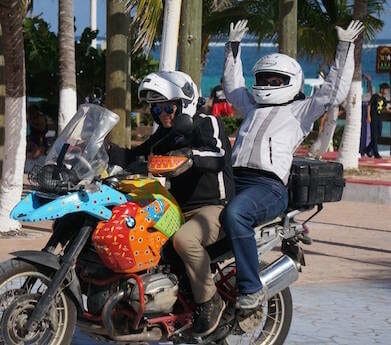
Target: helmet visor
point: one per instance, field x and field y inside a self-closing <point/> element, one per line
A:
<point x="271" y="79"/>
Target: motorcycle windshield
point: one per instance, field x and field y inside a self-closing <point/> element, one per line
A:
<point x="83" y="138"/>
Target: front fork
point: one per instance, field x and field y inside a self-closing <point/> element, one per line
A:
<point x="67" y="262"/>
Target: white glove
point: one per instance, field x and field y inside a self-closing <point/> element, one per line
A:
<point x="350" y="34"/>
<point x="237" y="32"/>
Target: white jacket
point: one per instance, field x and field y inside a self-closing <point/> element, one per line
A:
<point x="269" y="136"/>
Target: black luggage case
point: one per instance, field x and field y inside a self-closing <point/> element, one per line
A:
<point x="313" y="182"/>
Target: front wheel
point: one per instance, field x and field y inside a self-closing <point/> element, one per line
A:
<point x="21" y="285"/>
<point x="268" y="325"/>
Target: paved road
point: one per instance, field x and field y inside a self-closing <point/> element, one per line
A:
<point x="351" y="313"/>
<point x="338" y="298"/>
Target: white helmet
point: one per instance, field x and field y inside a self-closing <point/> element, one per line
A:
<point x="280" y="65"/>
<point x="170" y="85"/>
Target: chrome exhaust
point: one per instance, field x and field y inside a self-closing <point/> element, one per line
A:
<point x="279" y="275"/>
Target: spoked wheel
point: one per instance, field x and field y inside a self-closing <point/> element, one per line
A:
<point x="21" y="285"/>
<point x="267" y="325"/>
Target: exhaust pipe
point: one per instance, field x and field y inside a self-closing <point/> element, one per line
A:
<point x="279" y="275"/>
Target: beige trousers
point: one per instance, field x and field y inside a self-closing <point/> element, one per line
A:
<point x="201" y="229"/>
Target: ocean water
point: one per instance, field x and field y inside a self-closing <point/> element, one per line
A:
<point x="251" y="52"/>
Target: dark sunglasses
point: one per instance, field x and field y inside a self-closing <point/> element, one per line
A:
<point x="157" y="108"/>
<point x="268" y="79"/>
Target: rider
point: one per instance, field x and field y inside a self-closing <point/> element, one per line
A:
<point x="277" y="117"/>
<point x="202" y="191"/>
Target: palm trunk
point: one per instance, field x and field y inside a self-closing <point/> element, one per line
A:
<point x="117" y="69"/>
<point x="15" y="114"/>
<point x="190" y="37"/>
<point x="350" y="145"/>
<point x="66" y="34"/>
<point x="322" y="142"/>
<point x="2" y="100"/>
<point x="349" y="148"/>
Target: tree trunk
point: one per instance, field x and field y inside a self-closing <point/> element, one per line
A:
<point x="15" y="114"/>
<point x="349" y="149"/>
<point x="190" y="37"/>
<point x="93" y="20"/>
<point x="117" y="69"/>
<point x="66" y="34"/>
<point x="2" y="100"/>
<point x="169" y="42"/>
<point x="287" y="38"/>
<point x="322" y="142"/>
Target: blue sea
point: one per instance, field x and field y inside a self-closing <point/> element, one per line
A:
<point x="251" y="52"/>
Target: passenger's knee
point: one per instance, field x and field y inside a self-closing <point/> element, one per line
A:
<point x="231" y="217"/>
<point x="182" y="242"/>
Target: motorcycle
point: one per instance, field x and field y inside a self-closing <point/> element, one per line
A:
<point x="109" y="267"/>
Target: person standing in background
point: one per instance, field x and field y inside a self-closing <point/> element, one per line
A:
<point x="365" y="127"/>
<point x="375" y="109"/>
<point x="218" y="102"/>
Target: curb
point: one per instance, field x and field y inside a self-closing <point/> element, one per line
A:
<point x="367" y="191"/>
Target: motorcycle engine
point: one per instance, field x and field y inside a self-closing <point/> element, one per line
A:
<point x="160" y="292"/>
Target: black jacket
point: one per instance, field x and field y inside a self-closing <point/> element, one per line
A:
<point x="210" y="180"/>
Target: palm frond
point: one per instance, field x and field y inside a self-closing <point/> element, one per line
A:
<point x="146" y="19"/>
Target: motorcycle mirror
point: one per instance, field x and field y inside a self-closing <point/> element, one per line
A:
<point x="183" y="125"/>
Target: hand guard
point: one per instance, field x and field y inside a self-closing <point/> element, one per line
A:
<point x="351" y="33"/>
<point x="237" y="32"/>
<point x="183" y="152"/>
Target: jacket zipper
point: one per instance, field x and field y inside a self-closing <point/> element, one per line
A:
<point x="270" y="151"/>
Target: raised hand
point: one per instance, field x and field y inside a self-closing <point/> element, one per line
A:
<point x="351" y="33"/>
<point x="237" y="32"/>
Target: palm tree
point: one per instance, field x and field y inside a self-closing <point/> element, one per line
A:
<point x="190" y="37"/>
<point x="315" y="41"/>
<point x="2" y="100"/>
<point x="66" y="34"/>
<point x="117" y="69"/>
<point x="349" y="149"/>
<point x="11" y="19"/>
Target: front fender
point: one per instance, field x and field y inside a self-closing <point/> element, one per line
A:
<point x="35" y="208"/>
<point x="51" y="261"/>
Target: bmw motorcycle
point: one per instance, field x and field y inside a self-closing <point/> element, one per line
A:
<point x="109" y="266"/>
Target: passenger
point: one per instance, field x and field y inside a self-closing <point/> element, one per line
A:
<point x="202" y="191"/>
<point x="277" y="117"/>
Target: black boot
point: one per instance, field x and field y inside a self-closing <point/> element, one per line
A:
<point x="208" y="316"/>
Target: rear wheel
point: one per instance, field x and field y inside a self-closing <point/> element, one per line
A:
<point x="267" y="325"/>
<point x="21" y="285"/>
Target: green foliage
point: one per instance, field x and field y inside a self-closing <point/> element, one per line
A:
<point x="42" y="65"/>
<point x="231" y="124"/>
<point x="90" y="66"/>
<point x="337" y="138"/>
<point x="41" y="51"/>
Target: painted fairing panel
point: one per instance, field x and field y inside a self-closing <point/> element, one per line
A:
<point x="34" y="209"/>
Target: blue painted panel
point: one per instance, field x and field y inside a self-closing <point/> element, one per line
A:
<point x="34" y="208"/>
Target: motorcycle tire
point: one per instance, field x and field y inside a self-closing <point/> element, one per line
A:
<point x="21" y="285"/>
<point x="274" y="319"/>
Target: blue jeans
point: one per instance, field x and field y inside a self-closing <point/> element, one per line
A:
<point x="258" y="199"/>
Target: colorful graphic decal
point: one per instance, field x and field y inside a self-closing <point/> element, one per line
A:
<point x="128" y="241"/>
<point x="35" y="206"/>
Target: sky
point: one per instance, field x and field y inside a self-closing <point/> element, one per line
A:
<point x="49" y="10"/>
